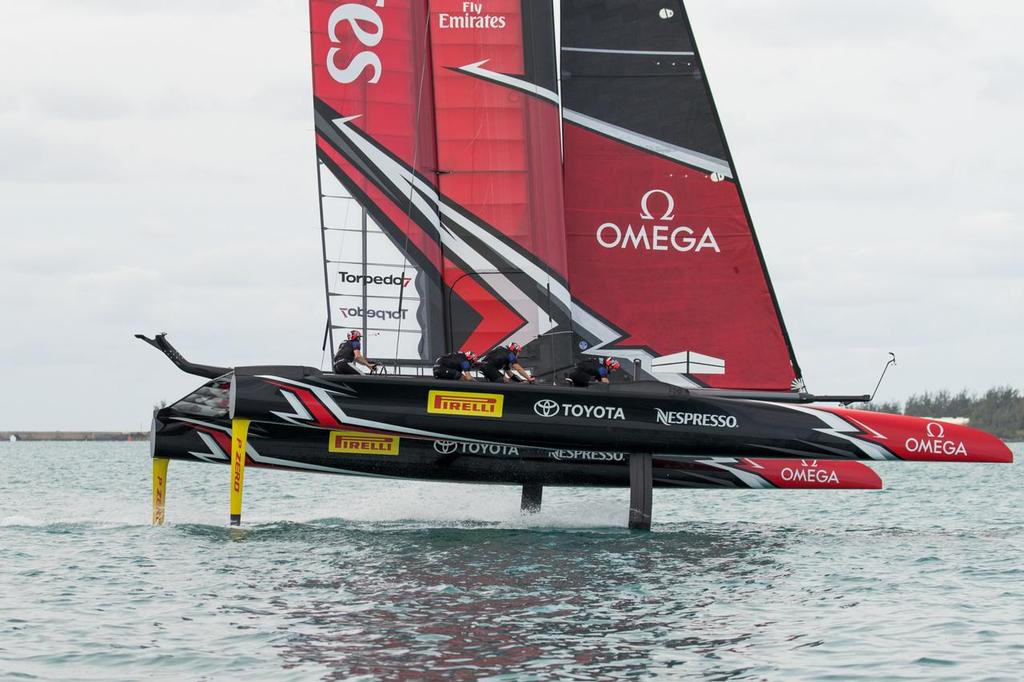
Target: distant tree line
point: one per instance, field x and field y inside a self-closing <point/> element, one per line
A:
<point x="999" y="411"/>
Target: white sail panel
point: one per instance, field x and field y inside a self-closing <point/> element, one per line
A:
<point x="371" y="286"/>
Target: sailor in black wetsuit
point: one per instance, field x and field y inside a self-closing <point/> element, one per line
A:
<point x="455" y="366"/>
<point x="349" y="352"/>
<point x="591" y="370"/>
<point x="502" y="364"/>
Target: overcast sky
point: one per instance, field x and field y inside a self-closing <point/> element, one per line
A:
<point x="157" y="174"/>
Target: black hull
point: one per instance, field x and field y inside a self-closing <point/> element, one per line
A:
<point x="638" y="418"/>
<point x="187" y="438"/>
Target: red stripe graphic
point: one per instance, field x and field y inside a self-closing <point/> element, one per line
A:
<point x="321" y="415"/>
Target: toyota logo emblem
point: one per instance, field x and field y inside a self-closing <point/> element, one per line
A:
<point x="446" y="447"/>
<point x="936" y="430"/>
<point x="545" y="408"/>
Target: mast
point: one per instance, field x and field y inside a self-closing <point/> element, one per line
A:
<point x="320" y="210"/>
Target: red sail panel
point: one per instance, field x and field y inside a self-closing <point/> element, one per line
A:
<point x="498" y="155"/>
<point x="371" y="64"/>
<point x="660" y="243"/>
<point x="373" y="110"/>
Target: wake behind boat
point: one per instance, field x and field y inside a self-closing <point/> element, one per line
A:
<point x="471" y="199"/>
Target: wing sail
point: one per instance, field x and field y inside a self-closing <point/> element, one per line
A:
<point x="499" y="160"/>
<point x="438" y="134"/>
<point x="660" y="242"/>
<point x="373" y="111"/>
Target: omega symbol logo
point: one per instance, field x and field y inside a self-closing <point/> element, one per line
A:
<point x="670" y="208"/>
<point x="445" y="447"/>
<point x="936" y="430"/>
<point x="545" y="408"/>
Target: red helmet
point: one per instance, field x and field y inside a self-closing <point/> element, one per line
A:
<point x="514" y="348"/>
<point x="611" y="364"/>
<point x="470" y="355"/>
<point x="355" y="334"/>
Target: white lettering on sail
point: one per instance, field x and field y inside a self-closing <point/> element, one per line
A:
<point x="472" y="17"/>
<point x="356" y="15"/>
<point x="657" y="237"/>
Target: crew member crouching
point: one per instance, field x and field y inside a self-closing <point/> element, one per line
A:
<point x="591" y="370"/>
<point x="349" y="352"/>
<point x="502" y="364"/>
<point x="455" y="366"/>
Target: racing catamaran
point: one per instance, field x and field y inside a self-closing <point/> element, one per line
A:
<point x="470" y="197"/>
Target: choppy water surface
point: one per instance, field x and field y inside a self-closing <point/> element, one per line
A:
<point x="341" y="577"/>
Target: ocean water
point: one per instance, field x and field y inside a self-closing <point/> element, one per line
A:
<point x="333" y="578"/>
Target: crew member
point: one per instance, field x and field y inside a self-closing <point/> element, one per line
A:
<point x="502" y="364"/>
<point x="455" y="366"/>
<point x="592" y="369"/>
<point x="351" y="351"/>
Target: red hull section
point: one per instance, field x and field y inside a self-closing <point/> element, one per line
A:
<point x="811" y="474"/>
<point x="922" y="440"/>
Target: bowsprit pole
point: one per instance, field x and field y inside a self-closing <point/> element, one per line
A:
<point x="239" y="436"/>
<point x="159" y="489"/>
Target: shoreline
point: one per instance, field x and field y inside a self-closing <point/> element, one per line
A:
<point x="72" y="436"/>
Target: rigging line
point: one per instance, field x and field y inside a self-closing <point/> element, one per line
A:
<point x="415" y="164"/>
<point x="323" y="246"/>
<point x="556" y="37"/>
<point x="341" y="244"/>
